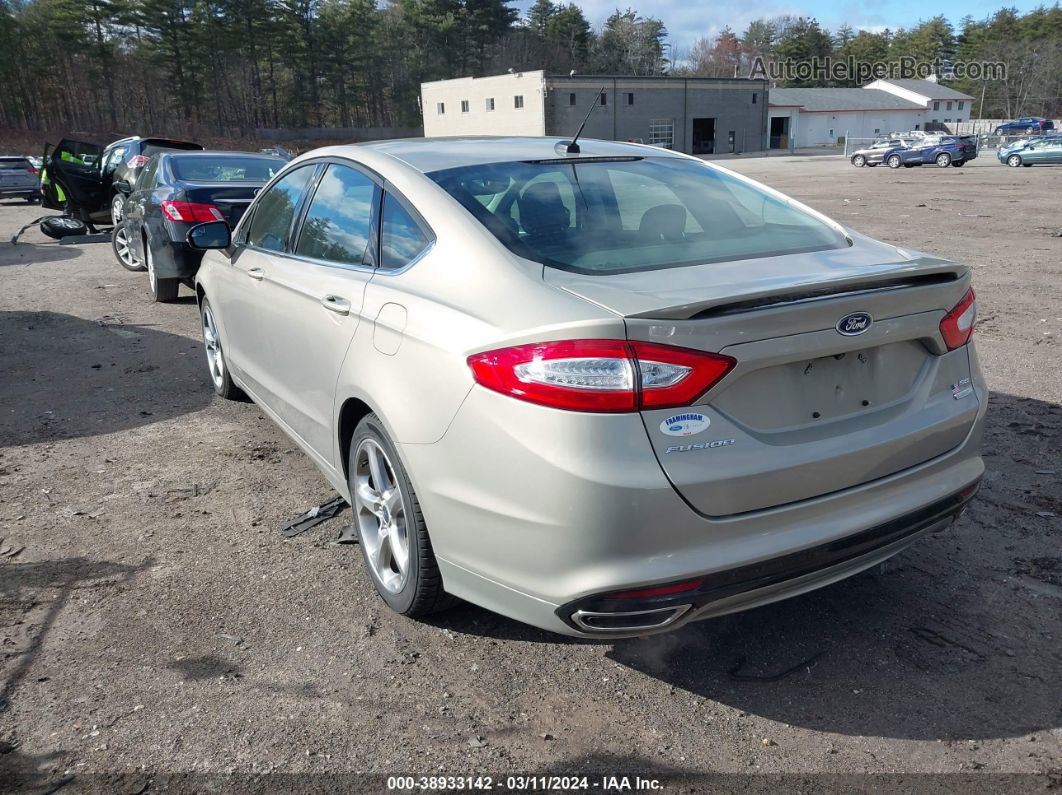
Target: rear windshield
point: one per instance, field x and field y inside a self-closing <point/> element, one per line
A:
<point x="225" y="168"/>
<point x="617" y="215"/>
<point x="15" y="163"/>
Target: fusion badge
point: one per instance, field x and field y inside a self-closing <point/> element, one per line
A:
<point x="685" y="424"/>
<point x="854" y="324"/>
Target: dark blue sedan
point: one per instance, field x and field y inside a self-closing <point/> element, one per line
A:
<point x="943" y="151"/>
<point x="174" y="192"/>
<point x="1025" y="125"/>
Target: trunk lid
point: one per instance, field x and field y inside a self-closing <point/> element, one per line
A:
<point x="232" y="199"/>
<point x="807" y="410"/>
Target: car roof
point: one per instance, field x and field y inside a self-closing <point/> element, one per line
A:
<point x="215" y="153"/>
<point x="436" y="154"/>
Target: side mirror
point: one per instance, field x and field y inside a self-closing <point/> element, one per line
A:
<point x="122" y="186"/>
<point x="211" y="235"/>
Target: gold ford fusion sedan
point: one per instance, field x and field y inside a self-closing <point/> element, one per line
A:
<point x="606" y="390"/>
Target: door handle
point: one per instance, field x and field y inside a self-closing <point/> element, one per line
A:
<point x="333" y="303"/>
<point x="256" y="273"/>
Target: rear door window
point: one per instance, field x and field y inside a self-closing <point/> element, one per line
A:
<point x="403" y="238"/>
<point x="340" y="222"/>
<point x="15" y="164"/>
<point x="275" y="210"/>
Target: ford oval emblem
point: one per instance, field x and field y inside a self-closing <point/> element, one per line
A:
<point x="854" y="324"/>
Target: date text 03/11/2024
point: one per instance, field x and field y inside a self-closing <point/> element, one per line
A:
<point x="518" y="783"/>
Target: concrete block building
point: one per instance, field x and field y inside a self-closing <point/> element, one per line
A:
<point x="694" y="115"/>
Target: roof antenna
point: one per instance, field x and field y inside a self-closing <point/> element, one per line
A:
<point x="573" y="147"/>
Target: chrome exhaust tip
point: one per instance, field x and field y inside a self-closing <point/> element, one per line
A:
<point x="630" y="621"/>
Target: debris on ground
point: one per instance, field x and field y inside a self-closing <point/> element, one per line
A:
<point x="735" y="672"/>
<point x="313" y="517"/>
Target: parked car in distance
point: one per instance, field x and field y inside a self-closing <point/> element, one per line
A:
<point x="941" y="150"/>
<point x="87" y="173"/>
<point x="876" y="152"/>
<point x="19" y="178"/>
<point x="1036" y="151"/>
<point x="173" y="193"/>
<point x="587" y="390"/>
<point x="1025" y="125"/>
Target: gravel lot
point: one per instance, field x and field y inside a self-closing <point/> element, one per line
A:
<point x="157" y="623"/>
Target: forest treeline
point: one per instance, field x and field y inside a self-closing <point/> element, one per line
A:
<point x="230" y="66"/>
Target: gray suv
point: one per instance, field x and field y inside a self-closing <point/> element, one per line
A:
<point x="19" y="178"/>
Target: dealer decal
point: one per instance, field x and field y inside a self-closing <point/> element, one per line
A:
<point x="685" y="424"/>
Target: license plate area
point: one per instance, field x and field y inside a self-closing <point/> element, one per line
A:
<point x="811" y="391"/>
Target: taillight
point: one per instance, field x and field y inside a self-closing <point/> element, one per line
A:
<point x="191" y="211"/>
<point x="136" y="161"/>
<point x="958" y="324"/>
<point x="33" y="170"/>
<point x="600" y="375"/>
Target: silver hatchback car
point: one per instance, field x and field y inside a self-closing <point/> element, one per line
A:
<point x="606" y="392"/>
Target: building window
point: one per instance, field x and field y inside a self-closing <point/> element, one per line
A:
<point x="831" y="133"/>
<point x="571" y="98"/>
<point x="630" y="97"/>
<point x="949" y="107"/>
<point x="518" y="101"/>
<point x="877" y="130"/>
<point x="753" y="97"/>
<point x="604" y="98"/>
<point x="464" y="106"/>
<point x="662" y="133"/>
<point x="947" y="121"/>
<point x="440" y="108"/>
<point x="936" y="106"/>
<point x="961" y="104"/>
<point x="490" y="103"/>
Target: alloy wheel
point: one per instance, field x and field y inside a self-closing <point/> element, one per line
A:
<point x="859" y="161"/>
<point x="380" y="511"/>
<point x="1013" y="161"/>
<point x="153" y="280"/>
<point x="212" y="343"/>
<point x="121" y="247"/>
<point x="895" y="161"/>
<point x="116" y="209"/>
<point x="943" y="160"/>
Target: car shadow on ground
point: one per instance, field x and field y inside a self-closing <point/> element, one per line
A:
<point x="34" y="253"/>
<point x="32" y="597"/>
<point x="112" y="365"/>
<point x="957" y="637"/>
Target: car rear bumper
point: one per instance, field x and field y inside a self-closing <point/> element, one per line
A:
<point x="22" y="192"/>
<point x="174" y="258"/>
<point x="534" y="513"/>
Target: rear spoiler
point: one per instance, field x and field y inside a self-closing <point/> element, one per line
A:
<point x="831" y="291"/>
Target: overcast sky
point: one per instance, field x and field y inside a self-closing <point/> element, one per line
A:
<point x="688" y="21"/>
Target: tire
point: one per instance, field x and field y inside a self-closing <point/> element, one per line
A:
<point x="59" y="226"/>
<point x="400" y="558"/>
<point x="958" y="163"/>
<point x="894" y="161"/>
<point x="943" y="160"/>
<point x="162" y="290"/>
<point x="1026" y="165"/>
<point x="117" y="208"/>
<point x="217" y="365"/>
<point x="871" y="165"/>
<point x="121" y="250"/>
<point x="33" y="199"/>
<point x="859" y="161"/>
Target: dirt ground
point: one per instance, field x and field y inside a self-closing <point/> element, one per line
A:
<point x="157" y="623"/>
